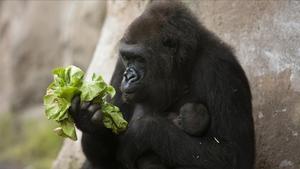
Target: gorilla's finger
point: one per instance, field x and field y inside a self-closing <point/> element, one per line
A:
<point x="97" y="117"/>
<point x="75" y="105"/>
<point x="94" y="107"/>
<point x="85" y="105"/>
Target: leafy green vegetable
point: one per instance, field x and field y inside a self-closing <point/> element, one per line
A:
<point x="67" y="83"/>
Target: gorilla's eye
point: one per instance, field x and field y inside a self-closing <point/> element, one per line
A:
<point x="170" y="43"/>
<point x="140" y="59"/>
<point x="128" y="57"/>
<point x="132" y="59"/>
<point x="124" y="57"/>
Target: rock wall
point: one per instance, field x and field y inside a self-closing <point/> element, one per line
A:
<point x="37" y="36"/>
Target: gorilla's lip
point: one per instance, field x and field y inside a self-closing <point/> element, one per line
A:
<point x="129" y="91"/>
<point x="131" y="88"/>
<point x="128" y="95"/>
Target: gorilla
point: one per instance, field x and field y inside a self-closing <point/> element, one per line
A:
<point x="184" y="94"/>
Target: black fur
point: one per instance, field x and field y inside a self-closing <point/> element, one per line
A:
<point x="170" y="60"/>
<point x="192" y="118"/>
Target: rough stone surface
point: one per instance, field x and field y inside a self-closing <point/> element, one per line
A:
<point x="70" y="156"/>
<point x="37" y="36"/>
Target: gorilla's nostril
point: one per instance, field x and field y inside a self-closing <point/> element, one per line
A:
<point x="131" y="75"/>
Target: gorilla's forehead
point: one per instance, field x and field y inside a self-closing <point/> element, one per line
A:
<point x="126" y="49"/>
<point x="150" y="24"/>
<point x="142" y="29"/>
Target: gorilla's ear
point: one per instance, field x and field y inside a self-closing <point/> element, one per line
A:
<point x="171" y="43"/>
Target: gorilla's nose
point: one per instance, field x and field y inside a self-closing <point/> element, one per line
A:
<point x="131" y="75"/>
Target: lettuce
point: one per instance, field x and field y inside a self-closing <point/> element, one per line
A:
<point x="67" y="83"/>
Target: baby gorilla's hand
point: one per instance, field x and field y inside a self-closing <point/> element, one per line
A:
<point x="194" y="118"/>
<point x="87" y="116"/>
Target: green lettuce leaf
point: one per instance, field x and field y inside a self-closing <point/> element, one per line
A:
<point x="56" y="107"/>
<point x="113" y="118"/>
<point x="67" y="83"/>
<point x="67" y="129"/>
<point x="90" y="90"/>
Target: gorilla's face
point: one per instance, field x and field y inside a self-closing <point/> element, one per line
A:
<point x="135" y="74"/>
<point x="148" y="70"/>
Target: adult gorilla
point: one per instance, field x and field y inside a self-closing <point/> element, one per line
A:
<point x="169" y="62"/>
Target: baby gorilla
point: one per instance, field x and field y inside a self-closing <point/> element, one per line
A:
<point x="193" y="118"/>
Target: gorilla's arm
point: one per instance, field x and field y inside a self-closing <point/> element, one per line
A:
<point x="99" y="144"/>
<point x="174" y="147"/>
<point x="179" y="149"/>
<point x="150" y="161"/>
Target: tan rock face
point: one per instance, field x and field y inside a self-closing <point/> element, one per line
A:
<point x="38" y="36"/>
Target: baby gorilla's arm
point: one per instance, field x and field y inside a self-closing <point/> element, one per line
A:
<point x="193" y="118"/>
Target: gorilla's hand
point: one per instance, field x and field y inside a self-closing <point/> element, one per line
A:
<point x="87" y="116"/>
<point x="136" y="141"/>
